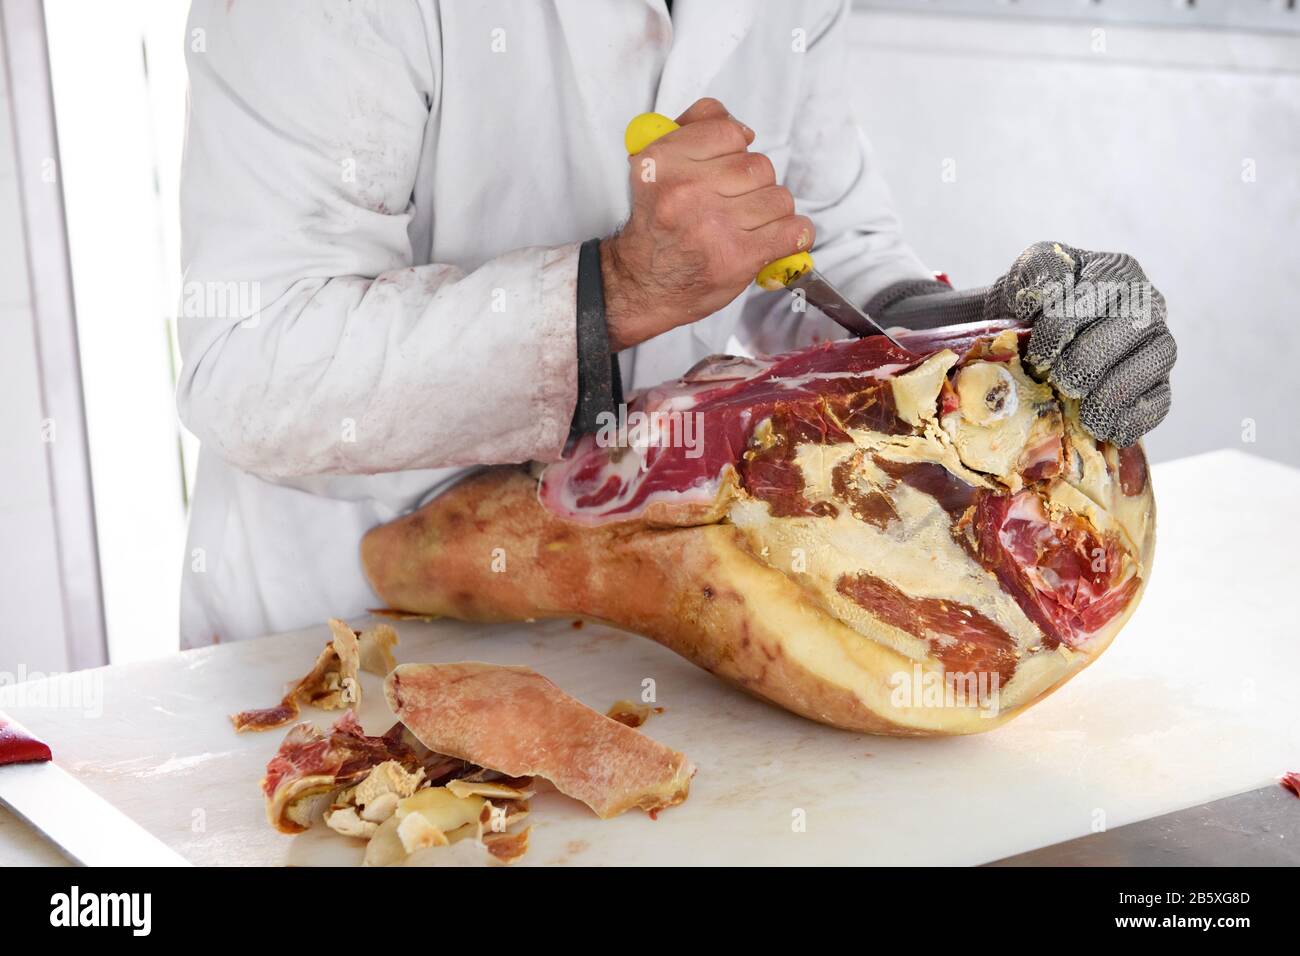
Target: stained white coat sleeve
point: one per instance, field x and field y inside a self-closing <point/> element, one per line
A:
<point x="837" y="183"/>
<point x="311" y="341"/>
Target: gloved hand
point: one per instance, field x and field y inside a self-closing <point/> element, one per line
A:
<point x="1099" y="332"/>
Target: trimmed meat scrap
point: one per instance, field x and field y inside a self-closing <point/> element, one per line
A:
<point x="310" y="764"/>
<point x="332" y="682"/>
<point x="631" y="713"/>
<point x="515" y="721"/>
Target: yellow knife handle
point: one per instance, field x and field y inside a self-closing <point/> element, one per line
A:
<point x="779" y="274"/>
<point x="645" y="129"/>
<point x="648" y="127"/>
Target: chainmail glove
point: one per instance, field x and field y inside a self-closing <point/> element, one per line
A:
<point x="1099" y="334"/>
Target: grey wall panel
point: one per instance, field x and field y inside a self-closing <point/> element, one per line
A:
<point x="1180" y="146"/>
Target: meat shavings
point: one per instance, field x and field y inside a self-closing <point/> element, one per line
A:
<point x="631" y="714"/>
<point x="517" y="722"/>
<point x="507" y="847"/>
<point x="375" y="649"/>
<point x="310" y="764"/>
<point x="408" y="800"/>
<point x="332" y="682"/>
<point x="1291" y="781"/>
<point x="358" y="811"/>
<point x="440" y="816"/>
<point x="498" y="816"/>
<point x="488" y="789"/>
<point x="417" y="833"/>
<point x="382" y="793"/>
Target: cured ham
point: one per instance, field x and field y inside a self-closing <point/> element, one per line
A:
<point x="818" y="528"/>
<point x="515" y="721"/>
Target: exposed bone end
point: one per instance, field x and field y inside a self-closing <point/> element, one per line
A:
<point x="987" y="393"/>
<point x="1003" y="417"/>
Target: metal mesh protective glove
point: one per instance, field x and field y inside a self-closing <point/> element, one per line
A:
<point x="1098" y="330"/>
<point x="1099" y="334"/>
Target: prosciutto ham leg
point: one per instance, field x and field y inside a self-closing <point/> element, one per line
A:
<point x="838" y="530"/>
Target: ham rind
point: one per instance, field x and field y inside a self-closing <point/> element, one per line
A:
<point x="515" y="721"/>
<point x="332" y="681"/>
<point x="854" y="511"/>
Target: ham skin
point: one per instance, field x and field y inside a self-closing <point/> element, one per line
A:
<point x="515" y="721"/>
<point x="853" y="514"/>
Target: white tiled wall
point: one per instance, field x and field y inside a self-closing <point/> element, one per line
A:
<point x="31" y="615"/>
<point x="1131" y="139"/>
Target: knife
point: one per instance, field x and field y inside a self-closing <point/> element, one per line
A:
<point x="1256" y="828"/>
<point x="796" y="273"/>
<point x="88" y="829"/>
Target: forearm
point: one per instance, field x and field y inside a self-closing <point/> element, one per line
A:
<point x="419" y="368"/>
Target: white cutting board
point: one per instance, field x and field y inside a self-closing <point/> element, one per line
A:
<point x="1197" y="699"/>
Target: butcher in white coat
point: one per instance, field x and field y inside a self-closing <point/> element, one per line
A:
<point x="384" y="204"/>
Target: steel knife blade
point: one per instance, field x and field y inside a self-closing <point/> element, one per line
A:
<point x="820" y="293"/>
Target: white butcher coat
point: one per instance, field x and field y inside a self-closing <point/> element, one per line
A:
<point x="382" y="203"/>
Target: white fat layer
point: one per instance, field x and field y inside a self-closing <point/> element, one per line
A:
<point x="1086" y="471"/>
<point x="627" y="470"/>
<point x="932" y="445"/>
<point x="675" y="403"/>
<point x="817" y="463"/>
<point x="1063" y="497"/>
<point x="916" y="393"/>
<point x="1085" y="467"/>
<point x="799" y="381"/>
<point x="916" y="553"/>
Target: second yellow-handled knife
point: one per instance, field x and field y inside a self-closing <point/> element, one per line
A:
<point x="794" y="273"/>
